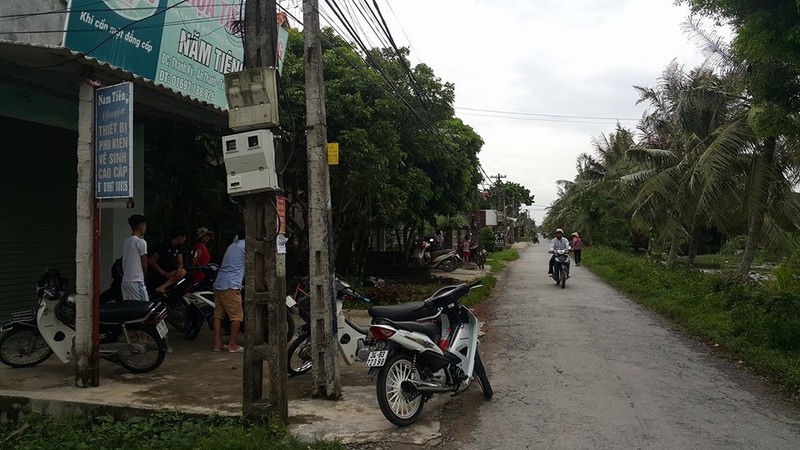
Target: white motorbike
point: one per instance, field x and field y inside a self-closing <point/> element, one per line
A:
<point x="132" y="333"/>
<point x="415" y="360"/>
<point x="447" y="260"/>
<point x="355" y="342"/>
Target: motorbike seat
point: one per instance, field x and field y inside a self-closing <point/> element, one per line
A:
<point x="125" y="311"/>
<point x="402" y="312"/>
<point x="436" y="253"/>
<point x="429" y="329"/>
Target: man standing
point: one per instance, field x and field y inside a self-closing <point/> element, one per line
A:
<point x="558" y="243"/>
<point x="167" y="263"/>
<point x="228" y="295"/>
<point x="134" y="261"/>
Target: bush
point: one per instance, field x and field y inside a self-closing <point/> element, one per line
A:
<point x="733" y="245"/>
<point x="487" y="239"/>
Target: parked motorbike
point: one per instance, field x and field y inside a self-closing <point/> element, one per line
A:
<point x="477" y="255"/>
<point x="561" y="267"/>
<point x="447" y="260"/>
<point x="354" y="340"/>
<point x="173" y="298"/>
<point x="199" y="308"/>
<point x="414" y="361"/>
<point x="132" y="333"/>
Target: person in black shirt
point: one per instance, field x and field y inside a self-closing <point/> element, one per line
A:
<point x="166" y="263"/>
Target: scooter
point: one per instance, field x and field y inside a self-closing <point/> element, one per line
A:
<point x="355" y="342"/>
<point x="414" y="361"/>
<point x="199" y="308"/>
<point x="132" y="333"/>
<point x="477" y="255"/>
<point x="561" y="267"/>
<point x="447" y="260"/>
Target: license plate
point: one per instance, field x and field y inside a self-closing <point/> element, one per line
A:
<point x="161" y="327"/>
<point x="377" y="358"/>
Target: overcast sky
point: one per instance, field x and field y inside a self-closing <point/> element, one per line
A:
<point x="548" y="57"/>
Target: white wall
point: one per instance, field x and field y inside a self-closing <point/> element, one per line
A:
<point x="35" y="15"/>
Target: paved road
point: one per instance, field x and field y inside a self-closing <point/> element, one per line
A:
<point x="585" y="367"/>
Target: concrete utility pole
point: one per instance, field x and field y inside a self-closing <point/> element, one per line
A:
<point x="321" y="279"/>
<point x="85" y="367"/>
<point x="265" y="269"/>
<point x="499" y="184"/>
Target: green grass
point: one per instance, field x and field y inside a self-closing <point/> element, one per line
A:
<point x="687" y="299"/>
<point x="726" y="262"/>
<point x="497" y="260"/>
<point x="163" y="430"/>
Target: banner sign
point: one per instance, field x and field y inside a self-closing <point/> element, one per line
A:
<point x="185" y="45"/>
<point x="113" y="137"/>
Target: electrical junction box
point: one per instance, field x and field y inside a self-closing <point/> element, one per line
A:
<point x="250" y="162"/>
<point x="252" y="99"/>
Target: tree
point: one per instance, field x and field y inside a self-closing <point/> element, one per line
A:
<point x="404" y="156"/>
<point x="765" y="45"/>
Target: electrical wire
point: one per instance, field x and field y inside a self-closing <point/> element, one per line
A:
<point x="108" y="38"/>
<point x="544" y="115"/>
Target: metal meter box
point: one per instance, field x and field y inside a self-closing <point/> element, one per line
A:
<point x="252" y="99"/>
<point x="250" y="162"/>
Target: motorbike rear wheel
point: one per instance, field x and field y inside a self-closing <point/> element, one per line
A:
<point x="449" y="265"/>
<point x="23" y="347"/>
<point x="300" y="355"/>
<point x="480" y="371"/>
<point x="143" y="354"/>
<point x="399" y="406"/>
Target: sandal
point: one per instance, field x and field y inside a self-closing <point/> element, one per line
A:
<point x="238" y="349"/>
<point x="216" y="349"/>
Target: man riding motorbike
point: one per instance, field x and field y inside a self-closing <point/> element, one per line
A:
<point x="558" y="243"/>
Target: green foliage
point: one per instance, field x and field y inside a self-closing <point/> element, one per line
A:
<point x="487" y="239"/>
<point x="480" y="294"/>
<point x="733" y="245"/>
<point x="497" y="260"/>
<point x="750" y="321"/>
<point x="162" y="430"/>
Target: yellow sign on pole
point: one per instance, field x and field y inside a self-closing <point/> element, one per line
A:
<point x="333" y="153"/>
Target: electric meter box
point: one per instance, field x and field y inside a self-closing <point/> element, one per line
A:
<point x="252" y="99"/>
<point x="250" y="162"/>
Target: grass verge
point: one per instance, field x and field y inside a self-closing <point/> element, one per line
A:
<point x="162" y="430"/>
<point x="687" y="298"/>
<point x="497" y="260"/>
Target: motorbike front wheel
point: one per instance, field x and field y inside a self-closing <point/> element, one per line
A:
<point x="563" y="277"/>
<point x="143" y="353"/>
<point x="398" y="405"/>
<point x="480" y="371"/>
<point x="300" y="355"/>
<point x="193" y="323"/>
<point x="23" y="347"/>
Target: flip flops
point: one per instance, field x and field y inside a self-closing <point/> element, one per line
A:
<point x="238" y="349"/>
<point x="224" y="347"/>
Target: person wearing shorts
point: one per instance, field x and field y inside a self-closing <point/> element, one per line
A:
<point x="134" y="261"/>
<point x="227" y="295"/>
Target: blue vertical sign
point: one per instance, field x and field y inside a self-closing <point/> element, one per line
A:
<point x="113" y="137"/>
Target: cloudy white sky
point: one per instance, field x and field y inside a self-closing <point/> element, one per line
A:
<point x="547" y="57"/>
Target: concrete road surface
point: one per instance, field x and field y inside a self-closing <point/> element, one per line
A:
<point x="586" y="368"/>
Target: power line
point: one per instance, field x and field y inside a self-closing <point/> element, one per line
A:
<point x="540" y="119"/>
<point x="109" y="38"/>
<point x="544" y="115"/>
